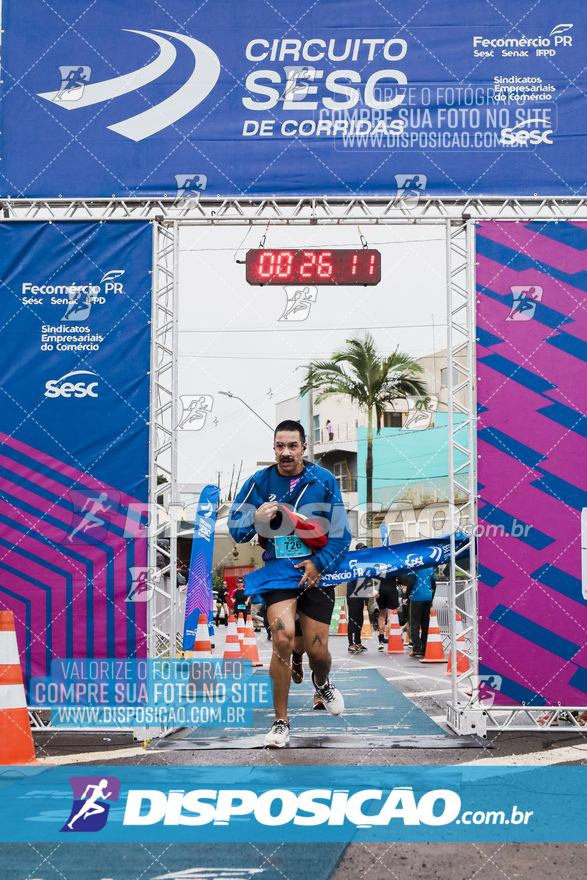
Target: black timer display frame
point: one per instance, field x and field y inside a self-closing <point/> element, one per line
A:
<point x="321" y="266"/>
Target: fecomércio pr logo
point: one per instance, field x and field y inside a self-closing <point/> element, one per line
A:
<point x="91" y="796"/>
<point x="77" y="298"/>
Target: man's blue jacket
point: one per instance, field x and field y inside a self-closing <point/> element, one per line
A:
<point x="316" y="496"/>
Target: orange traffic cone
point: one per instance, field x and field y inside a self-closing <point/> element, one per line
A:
<point x="366" y="631"/>
<point x="16" y="739"/>
<point x="395" y="644"/>
<point x="202" y="647"/>
<point x="232" y="647"/>
<point x="249" y="647"/>
<point x="240" y="628"/>
<point x="434" y="651"/>
<point x="343" y="629"/>
<point x="463" y="665"/>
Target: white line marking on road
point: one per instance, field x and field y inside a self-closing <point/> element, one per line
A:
<point x="400" y="669"/>
<point x="433" y="693"/>
<point x="84" y="757"/>
<point x="408" y="677"/>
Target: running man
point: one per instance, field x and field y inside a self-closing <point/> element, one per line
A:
<point x="387" y="598"/>
<point x="242" y="603"/>
<point x="75" y="79"/>
<point x="274" y="504"/>
<point x="89" y="516"/>
<point x="222" y="603"/>
<point x="91" y="808"/>
<point x="196" y="411"/>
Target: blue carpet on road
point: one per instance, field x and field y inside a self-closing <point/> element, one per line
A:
<point x="372" y="706"/>
<point x="176" y="861"/>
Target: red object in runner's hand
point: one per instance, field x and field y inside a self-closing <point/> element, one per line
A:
<point x="310" y="531"/>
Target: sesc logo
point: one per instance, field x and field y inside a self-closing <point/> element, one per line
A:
<point x="512" y="138"/>
<point x="62" y="388"/>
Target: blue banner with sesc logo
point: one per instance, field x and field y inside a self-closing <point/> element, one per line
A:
<point x="345" y="97"/>
<point x="75" y="311"/>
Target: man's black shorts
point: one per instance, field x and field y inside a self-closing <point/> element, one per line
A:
<point x="317" y="603"/>
<point x="388" y="596"/>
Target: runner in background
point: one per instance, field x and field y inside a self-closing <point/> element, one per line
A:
<point x="387" y="598"/>
<point x="242" y="604"/>
<point x="222" y="603"/>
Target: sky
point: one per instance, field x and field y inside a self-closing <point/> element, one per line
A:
<point x="231" y="338"/>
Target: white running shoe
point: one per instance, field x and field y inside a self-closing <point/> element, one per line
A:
<point x="331" y="697"/>
<point x="278" y="736"/>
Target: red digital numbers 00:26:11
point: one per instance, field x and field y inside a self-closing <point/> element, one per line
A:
<point x="344" y="266"/>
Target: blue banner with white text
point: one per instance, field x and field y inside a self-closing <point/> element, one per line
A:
<point x="75" y="314"/>
<point x="355" y="98"/>
<point x="199" y="594"/>
<point x="378" y="562"/>
<point x="215" y="804"/>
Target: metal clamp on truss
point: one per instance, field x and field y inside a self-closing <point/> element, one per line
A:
<point x="466" y="721"/>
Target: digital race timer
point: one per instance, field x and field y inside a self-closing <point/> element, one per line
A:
<point x="313" y="266"/>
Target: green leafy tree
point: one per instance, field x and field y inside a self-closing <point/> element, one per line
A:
<point x="372" y="382"/>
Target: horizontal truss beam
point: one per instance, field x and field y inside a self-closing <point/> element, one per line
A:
<point x="335" y="210"/>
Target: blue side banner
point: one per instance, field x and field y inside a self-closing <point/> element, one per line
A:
<point x="344" y="97"/>
<point x="75" y="314"/>
<point x="175" y="804"/>
<point x="199" y="595"/>
<point x="378" y="562"/>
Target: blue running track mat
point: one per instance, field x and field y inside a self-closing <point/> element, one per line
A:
<point x="175" y="861"/>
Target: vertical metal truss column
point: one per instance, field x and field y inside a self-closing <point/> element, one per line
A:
<point x="463" y="717"/>
<point x="163" y="604"/>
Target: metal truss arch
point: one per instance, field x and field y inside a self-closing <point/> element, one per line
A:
<point x="458" y="217"/>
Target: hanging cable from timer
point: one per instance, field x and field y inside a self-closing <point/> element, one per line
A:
<point x="264" y="236"/>
<point x="261" y="243"/>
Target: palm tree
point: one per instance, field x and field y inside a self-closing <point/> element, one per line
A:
<point x="372" y="382"/>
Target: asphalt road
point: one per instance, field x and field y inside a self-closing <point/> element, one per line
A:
<point x="383" y="861"/>
<point x="424" y="685"/>
<point x="462" y="861"/>
<point x="427" y="688"/>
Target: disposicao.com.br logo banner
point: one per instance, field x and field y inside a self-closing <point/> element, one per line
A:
<point x="210" y="804"/>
